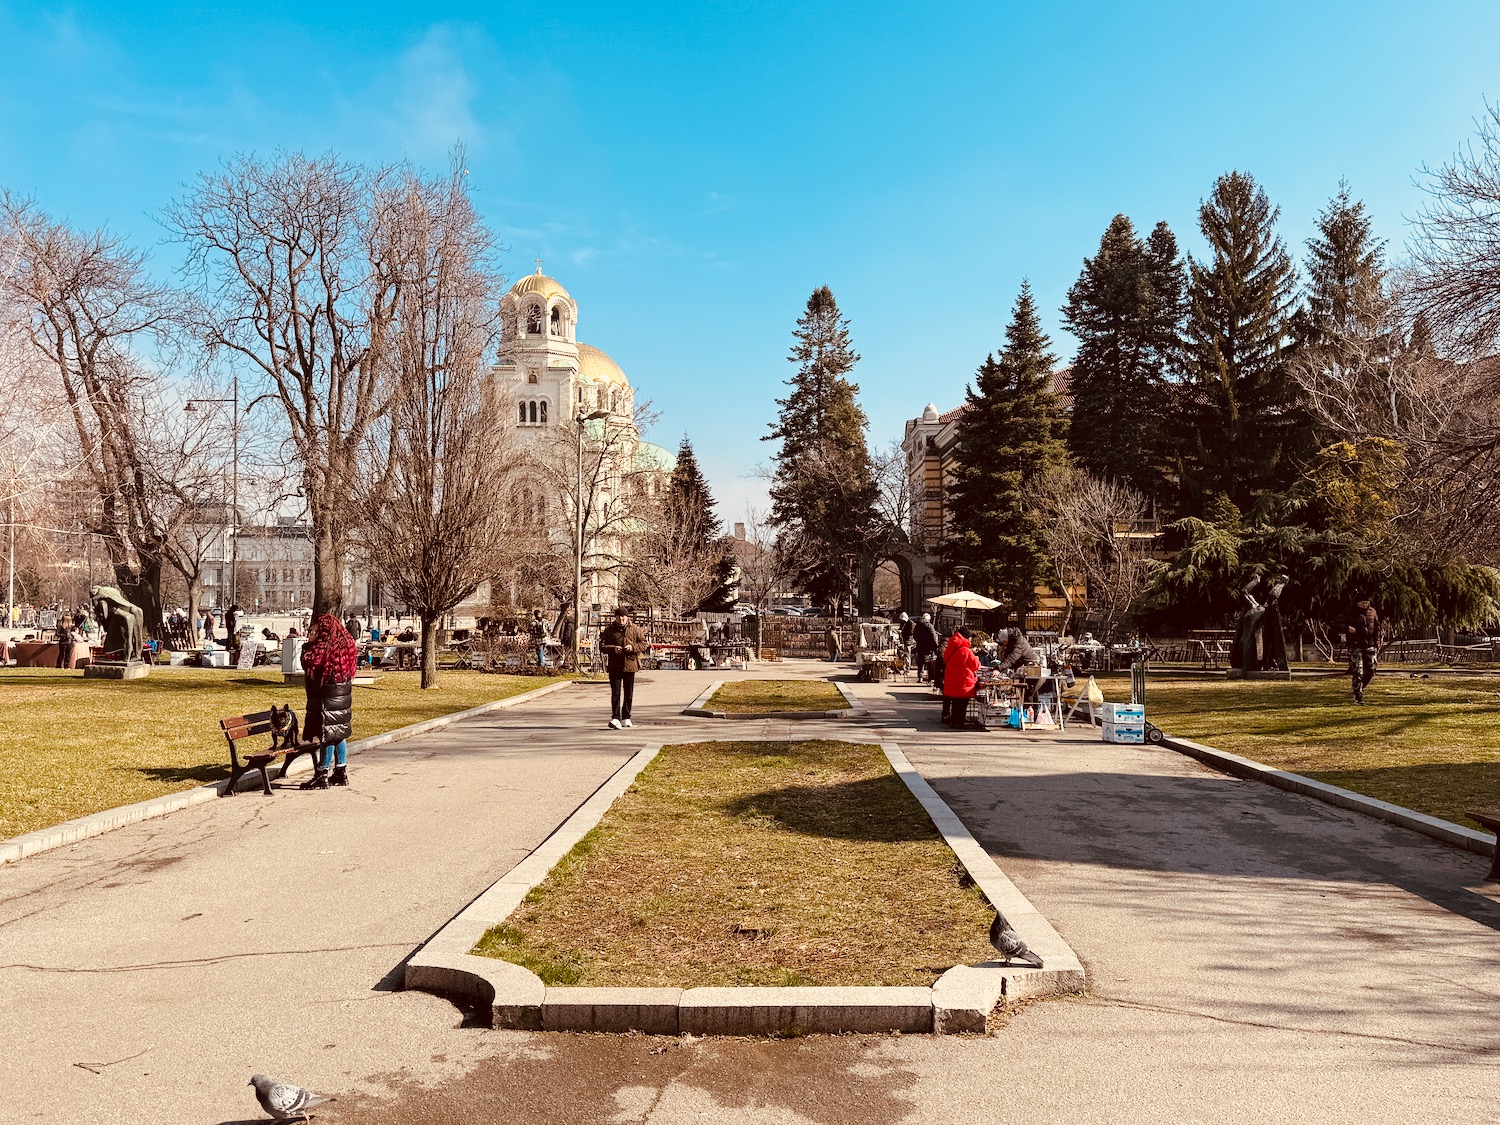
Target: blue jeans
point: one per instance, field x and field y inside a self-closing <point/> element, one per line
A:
<point x="332" y="751"/>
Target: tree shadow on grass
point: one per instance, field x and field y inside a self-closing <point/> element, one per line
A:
<point x="877" y="809"/>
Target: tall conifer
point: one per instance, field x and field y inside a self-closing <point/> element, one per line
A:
<point x="1126" y="311"/>
<point x="1345" y="274"/>
<point x="1242" y="428"/>
<point x="691" y="508"/>
<point x="823" y="489"/>
<point x="1008" y="439"/>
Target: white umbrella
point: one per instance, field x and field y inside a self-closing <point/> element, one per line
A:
<point x="965" y="599"/>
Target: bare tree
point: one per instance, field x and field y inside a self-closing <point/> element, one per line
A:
<point x="1096" y="535"/>
<point x="670" y="565"/>
<point x="297" y="265"/>
<point x="437" y="482"/>
<point x="767" y="563"/>
<point x="87" y="302"/>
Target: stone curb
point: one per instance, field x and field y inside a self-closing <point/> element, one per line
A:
<point x="96" y="824"/>
<point x="960" y="1001"/>
<point x="855" y="710"/>
<point x="1438" y="829"/>
<point x="964" y="996"/>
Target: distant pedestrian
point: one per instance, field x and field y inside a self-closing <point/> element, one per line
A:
<point x="208" y="627"/>
<point x="831" y="639"/>
<point x="622" y="644"/>
<point x="1361" y="627"/>
<point x="908" y="629"/>
<point x="64" y="644"/>
<point x="328" y="661"/>
<point x="538" y="632"/>
<point x="924" y="636"/>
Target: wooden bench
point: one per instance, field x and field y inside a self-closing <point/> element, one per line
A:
<point x="253" y="726"/>
<point x="1490" y="818"/>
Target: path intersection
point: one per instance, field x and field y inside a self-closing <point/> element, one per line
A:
<point x="1253" y="955"/>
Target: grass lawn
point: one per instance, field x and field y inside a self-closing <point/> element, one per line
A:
<point x="1430" y="744"/>
<point x="70" y="746"/>
<point x="742" y="696"/>
<point x="754" y="863"/>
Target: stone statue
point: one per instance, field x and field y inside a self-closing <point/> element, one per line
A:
<point x="124" y="625"/>
<point x="1260" y="642"/>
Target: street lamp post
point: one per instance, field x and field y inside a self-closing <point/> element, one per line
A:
<point x="234" y="502"/>
<point x="578" y="535"/>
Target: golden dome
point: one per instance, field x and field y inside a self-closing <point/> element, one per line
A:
<point x="541" y="284"/>
<point x="595" y="364"/>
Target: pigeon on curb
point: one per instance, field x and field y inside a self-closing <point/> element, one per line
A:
<point x="284" y="1101"/>
<point x="1008" y="943"/>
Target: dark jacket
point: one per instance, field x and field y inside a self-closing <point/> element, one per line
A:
<point x="1017" y="652"/>
<point x="613" y="642"/>
<point x="330" y="712"/>
<point x="925" y="637"/>
<point x="908" y="630"/>
<point x="1363" y="625"/>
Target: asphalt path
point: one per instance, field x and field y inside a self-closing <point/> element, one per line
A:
<point x="1253" y="955"/>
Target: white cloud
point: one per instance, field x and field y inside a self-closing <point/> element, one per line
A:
<point x="434" y="97"/>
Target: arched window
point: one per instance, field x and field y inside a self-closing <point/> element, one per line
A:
<point x="541" y="512"/>
<point x="533" y="411"/>
<point x="544" y="411"/>
<point x="614" y="400"/>
<point x="531" y="377"/>
<point x="522" y="405"/>
<point x="557" y="321"/>
<point x="580" y="396"/>
<point x="534" y="320"/>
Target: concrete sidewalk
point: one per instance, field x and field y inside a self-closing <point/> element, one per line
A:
<point x="265" y="933"/>
<point x="1255" y="955"/>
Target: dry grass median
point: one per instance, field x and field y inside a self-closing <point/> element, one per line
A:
<point x="740" y="697"/>
<point x="754" y="863"/>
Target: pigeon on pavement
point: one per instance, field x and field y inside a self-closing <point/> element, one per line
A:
<point x="1009" y="944"/>
<point x="284" y="1101"/>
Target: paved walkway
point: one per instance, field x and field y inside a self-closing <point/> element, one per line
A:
<point x="1254" y="955"/>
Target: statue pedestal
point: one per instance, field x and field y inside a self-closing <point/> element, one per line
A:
<point x="116" y="670"/>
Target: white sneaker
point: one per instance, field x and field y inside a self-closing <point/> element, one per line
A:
<point x="615" y="724"/>
<point x="628" y="723"/>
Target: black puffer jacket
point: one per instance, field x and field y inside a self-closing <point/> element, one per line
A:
<point x="330" y="712"/>
<point x="1363" y="625"/>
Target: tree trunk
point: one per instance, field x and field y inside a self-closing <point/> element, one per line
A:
<point x="328" y="576"/>
<point x="429" y="650"/>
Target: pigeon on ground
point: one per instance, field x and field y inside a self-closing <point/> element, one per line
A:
<point x="1008" y="943"/>
<point x="284" y="1101"/>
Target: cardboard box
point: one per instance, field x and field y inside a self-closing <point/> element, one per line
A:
<point x="1125" y="714"/>
<point x="1127" y="735"/>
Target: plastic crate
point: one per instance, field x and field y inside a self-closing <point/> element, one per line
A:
<point x="1125" y="714"/>
<point x="1126" y="735"/>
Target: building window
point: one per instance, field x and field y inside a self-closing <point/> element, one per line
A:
<point x="534" y="320"/>
<point x="557" y="321"/>
<point x="543" y="406"/>
<point x="531" y="377"/>
<point x="532" y="411"/>
<point x="522" y="405"/>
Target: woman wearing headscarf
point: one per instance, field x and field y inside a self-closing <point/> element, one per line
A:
<point x="329" y="659"/>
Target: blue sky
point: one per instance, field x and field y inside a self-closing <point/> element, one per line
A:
<point x="690" y="172"/>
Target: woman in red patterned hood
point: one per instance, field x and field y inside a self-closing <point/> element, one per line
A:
<point x="328" y="660"/>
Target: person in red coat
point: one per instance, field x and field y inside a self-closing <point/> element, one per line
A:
<point x="960" y="676"/>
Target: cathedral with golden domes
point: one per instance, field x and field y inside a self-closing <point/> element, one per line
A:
<point x="553" y="381"/>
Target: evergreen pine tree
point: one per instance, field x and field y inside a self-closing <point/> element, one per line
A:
<point x="823" y="490"/>
<point x="1242" y="429"/>
<point x="691" y="508"/>
<point x="1010" y="436"/>
<point x="1345" y="274"/>
<point x="1126" y="311"/>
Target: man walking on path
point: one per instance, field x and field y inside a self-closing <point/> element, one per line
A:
<point x="1362" y="632"/>
<point x="622" y="643"/>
